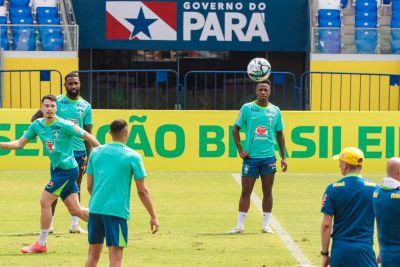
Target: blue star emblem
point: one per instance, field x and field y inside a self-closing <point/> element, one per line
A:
<point x="140" y="24"/>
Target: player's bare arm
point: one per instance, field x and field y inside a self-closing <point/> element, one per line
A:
<point x="281" y="143"/>
<point x="89" y="183"/>
<point x="37" y="115"/>
<point x="147" y="203"/>
<point x="326" y="230"/>
<point x="236" y="137"/>
<point x="91" y="139"/>
<point x="16" y="144"/>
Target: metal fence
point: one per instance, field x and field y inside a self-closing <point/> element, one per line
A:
<point x="131" y="89"/>
<point x="340" y="91"/>
<point x="25" y="88"/>
<point x="229" y="90"/>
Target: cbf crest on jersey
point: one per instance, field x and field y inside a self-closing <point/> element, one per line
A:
<point x="141" y="20"/>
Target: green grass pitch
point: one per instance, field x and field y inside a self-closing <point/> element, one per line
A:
<point x="195" y="210"/>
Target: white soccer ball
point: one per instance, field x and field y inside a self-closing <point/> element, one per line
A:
<point x="259" y="69"/>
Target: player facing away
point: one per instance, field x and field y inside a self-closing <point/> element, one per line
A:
<point x="74" y="108"/>
<point x="386" y="201"/>
<point x="348" y="202"/>
<point x="262" y="120"/>
<point x="109" y="179"/>
<point x="57" y="136"/>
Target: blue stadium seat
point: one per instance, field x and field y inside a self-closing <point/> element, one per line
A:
<point x="19" y="3"/>
<point x="1" y="2"/>
<point x="386" y="2"/>
<point x="329" y="14"/>
<point x="16" y="20"/>
<point x="52" y="43"/>
<point x="23" y="31"/>
<point x="395" y="44"/>
<point x="4" y="44"/>
<point x="365" y="24"/>
<point x="395" y="24"/>
<point x="329" y="41"/>
<point x="49" y="21"/>
<point x="396" y="10"/>
<point x="47" y="12"/>
<point x="330" y="23"/>
<point x="50" y="31"/>
<point x="22" y="43"/>
<point x="367" y="15"/>
<point x="343" y="3"/>
<point x="366" y="41"/>
<point x="20" y="12"/>
<point x="3" y="20"/>
<point x="366" y="5"/>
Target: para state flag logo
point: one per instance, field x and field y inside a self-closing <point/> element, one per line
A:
<point x="141" y="20"/>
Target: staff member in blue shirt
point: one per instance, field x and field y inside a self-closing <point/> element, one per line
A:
<point x="348" y="203"/>
<point x="386" y="201"/>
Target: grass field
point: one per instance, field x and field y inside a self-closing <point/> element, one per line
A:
<point x="195" y="210"/>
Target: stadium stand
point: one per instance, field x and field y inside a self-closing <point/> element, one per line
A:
<point x="366" y="22"/>
<point x="329" y="17"/>
<point x="395" y="25"/>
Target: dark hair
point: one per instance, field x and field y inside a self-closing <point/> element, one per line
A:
<point x="267" y="81"/>
<point x="117" y="126"/>
<point x="49" y="97"/>
<point x="72" y="74"/>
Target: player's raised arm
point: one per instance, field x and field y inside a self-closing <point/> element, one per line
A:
<point x="37" y="115"/>
<point x="90" y="138"/>
<point x="16" y="144"/>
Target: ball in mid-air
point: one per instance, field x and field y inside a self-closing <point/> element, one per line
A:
<point x="259" y="69"/>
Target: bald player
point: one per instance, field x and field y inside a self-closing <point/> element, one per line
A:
<point x="386" y="201"/>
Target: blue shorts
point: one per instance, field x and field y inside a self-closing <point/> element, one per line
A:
<point x="80" y="157"/>
<point x="114" y="229"/>
<point x="256" y="167"/>
<point x="63" y="182"/>
<point x="352" y="254"/>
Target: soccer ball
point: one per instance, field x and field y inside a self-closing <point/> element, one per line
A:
<point x="259" y="69"/>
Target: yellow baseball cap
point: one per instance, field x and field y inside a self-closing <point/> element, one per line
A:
<point x="351" y="155"/>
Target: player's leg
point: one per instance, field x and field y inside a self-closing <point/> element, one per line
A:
<point x="115" y="255"/>
<point x="74" y="208"/>
<point x="267" y="181"/>
<point x="116" y="238"/>
<point x="96" y="239"/>
<point x="94" y="255"/>
<point x="268" y="170"/>
<point x="80" y="159"/>
<point x="250" y="173"/>
<point x="46" y="201"/>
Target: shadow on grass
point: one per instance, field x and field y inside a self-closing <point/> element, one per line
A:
<point x="226" y="234"/>
<point x="31" y="234"/>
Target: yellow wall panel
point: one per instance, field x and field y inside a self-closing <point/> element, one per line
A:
<point x="24" y="89"/>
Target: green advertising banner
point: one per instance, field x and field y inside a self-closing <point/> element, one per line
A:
<point x="202" y="140"/>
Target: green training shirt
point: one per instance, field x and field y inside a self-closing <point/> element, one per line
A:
<point x="112" y="166"/>
<point x="57" y="138"/>
<point x="260" y="124"/>
<point x="78" y="111"/>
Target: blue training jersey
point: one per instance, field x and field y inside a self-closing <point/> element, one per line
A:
<point x="112" y="166"/>
<point x="386" y="203"/>
<point x="261" y="125"/>
<point x="77" y="111"/>
<point x="349" y="201"/>
<point x="57" y="138"/>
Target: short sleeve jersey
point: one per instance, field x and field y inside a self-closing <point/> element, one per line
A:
<point x="57" y="138"/>
<point x="261" y="125"/>
<point x="387" y="211"/>
<point x="77" y="111"/>
<point x="349" y="201"/>
<point x="112" y="166"/>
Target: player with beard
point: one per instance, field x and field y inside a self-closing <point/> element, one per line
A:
<point x="74" y="108"/>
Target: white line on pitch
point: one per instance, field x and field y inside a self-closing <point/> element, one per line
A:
<point x="286" y="238"/>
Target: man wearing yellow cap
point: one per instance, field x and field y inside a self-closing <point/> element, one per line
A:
<point x="348" y="202"/>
